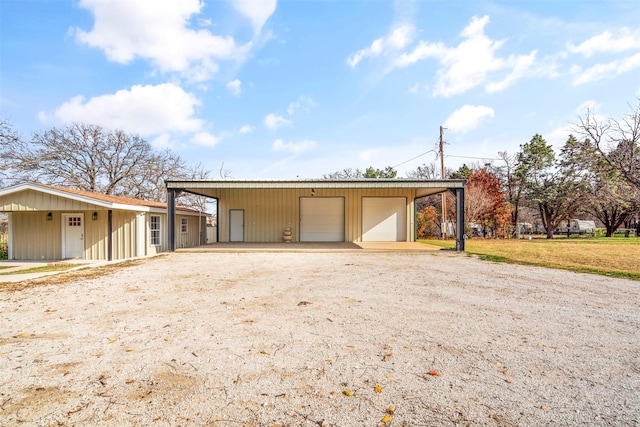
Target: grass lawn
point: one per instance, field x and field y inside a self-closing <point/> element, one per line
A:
<point x="43" y="269"/>
<point x="618" y="257"/>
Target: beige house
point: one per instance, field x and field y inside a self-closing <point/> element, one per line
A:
<point x="361" y="210"/>
<point x="51" y="223"/>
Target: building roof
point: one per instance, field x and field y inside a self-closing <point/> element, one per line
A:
<point x="104" y="200"/>
<point x="423" y="187"/>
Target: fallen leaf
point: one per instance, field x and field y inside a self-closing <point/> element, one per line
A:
<point x="543" y="407"/>
<point x="264" y="352"/>
<point x="386" y="419"/>
<point x="505" y="370"/>
<point x="434" y="373"/>
<point x="390" y="410"/>
<point x="129" y="350"/>
<point x="347" y="393"/>
<point x="389" y="376"/>
<point x="497" y="363"/>
<point x="351" y="346"/>
<point x="113" y="340"/>
<point x="386" y="356"/>
<point x="387" y="347"/>
<point x="329" y="319"/>
<point x="377" y="388"/>
<point x="303" y="303"/>
<point x="508" y="381"/>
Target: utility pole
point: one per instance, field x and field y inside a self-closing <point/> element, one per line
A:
<point x="444" y="198"/>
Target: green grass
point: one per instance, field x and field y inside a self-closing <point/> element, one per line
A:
<point x="614" y="257"/>
<point x="42" y="269"/>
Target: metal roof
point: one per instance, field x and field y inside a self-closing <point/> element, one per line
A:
<point x="443" y="184"/>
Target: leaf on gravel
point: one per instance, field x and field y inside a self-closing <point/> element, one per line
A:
<point x="386" y="357"/>
<point x="377" y="388"/>
<point x="508" y="381"/>
<point x="328" y="360"/>
<point x="303" y="303"/>
<point x="434" y="373"/>
<point x="113" y="340"/>
<point x="264" y="352"/>
<point x="351" y="346"/>
<point x="390" y="410"/>
<point x="386" y="419"/>
<point x="543" y="407"/>
<point x="389" y="376"/>
<point x="347" y="393"/>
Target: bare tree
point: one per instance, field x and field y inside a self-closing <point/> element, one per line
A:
<point x="10" y="144"/>
<point x="616" y="140"/>
<point x="91" y="158"/>
<point x="346" y="173"/>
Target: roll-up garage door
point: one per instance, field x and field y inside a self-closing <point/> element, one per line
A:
<point x="322" y="219"/>
<point x="384" y="219"/>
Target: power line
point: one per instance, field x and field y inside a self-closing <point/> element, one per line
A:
<point x="413" y="158"/>
<point x="471" y="157"/>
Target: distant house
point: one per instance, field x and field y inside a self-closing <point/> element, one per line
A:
<point x="52" y="223"/>
<point x="576" y="226"/>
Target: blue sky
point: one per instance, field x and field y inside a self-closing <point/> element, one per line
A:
<point x="300" y="88"/>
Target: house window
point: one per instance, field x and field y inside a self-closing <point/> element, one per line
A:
<point x="154" y="225"/>
<point x="184" y="227"/>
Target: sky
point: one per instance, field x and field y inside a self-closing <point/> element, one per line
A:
<point x="267" y="89"/>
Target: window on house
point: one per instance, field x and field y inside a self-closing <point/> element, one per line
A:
<point x="184" y="228"/>
<point x="154" y="226"/>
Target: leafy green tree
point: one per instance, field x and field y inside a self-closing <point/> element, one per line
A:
<point x="556" y="190"/>
<point x="463" y="172"/>
<point x="386" y="173"/>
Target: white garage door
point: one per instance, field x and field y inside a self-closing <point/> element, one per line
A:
<point x="322" y="219"/>
<point x="384" y="219"/>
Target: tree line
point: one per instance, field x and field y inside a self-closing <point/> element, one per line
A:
<point x="596" y="173"/>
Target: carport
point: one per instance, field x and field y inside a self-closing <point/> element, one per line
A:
<point x="360" y="210"/>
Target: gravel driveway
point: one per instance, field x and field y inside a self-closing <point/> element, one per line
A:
<point x="321" y="339"/>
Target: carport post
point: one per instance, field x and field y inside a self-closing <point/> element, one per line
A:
<point x="171" y="218"/>
<point x="460" y="219"/>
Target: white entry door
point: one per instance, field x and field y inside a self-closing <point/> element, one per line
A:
<point x="73" y="235"/>
<point x="236" y="225"/>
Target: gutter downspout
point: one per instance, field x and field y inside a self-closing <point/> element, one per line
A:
<point x="109" y="235"/>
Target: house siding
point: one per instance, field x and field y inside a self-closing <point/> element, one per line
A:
<point x="267" y="212"/>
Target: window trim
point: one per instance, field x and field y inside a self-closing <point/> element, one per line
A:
<point x="184" y="225"/>
<point x="155" y="235"/>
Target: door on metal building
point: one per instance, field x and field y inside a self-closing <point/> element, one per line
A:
<point x="73" y="235"/>
<point x="236" y="225"/>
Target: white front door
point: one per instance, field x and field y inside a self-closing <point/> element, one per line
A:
<point x="236" y="225"/>
<point x="73" y="235"/>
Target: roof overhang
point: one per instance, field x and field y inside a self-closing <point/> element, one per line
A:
<point x="87" y="199"/>
<point x="422" y="187"/>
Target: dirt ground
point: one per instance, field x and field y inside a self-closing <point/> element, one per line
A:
<point x="320" y="339"/>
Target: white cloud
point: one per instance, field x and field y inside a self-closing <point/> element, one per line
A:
<point x="235" y="87"/>
<point x="469" y="64"/>
<point x="399" y="38"/>
<point x="257" y="11"/>
<point x="622" y="41"/>
<point x="418" y="87"/>
<point x="245" y="129"/>
<point x="589" y="105"/>
<point x="158" y="31"/>
<point x="468" y="118"/>
<point x="607" y="70"/>
<point x="293" y="147"/>
<point x="274" y="121"/>
<point x="521" y="65"/>
<point x="162" y="142"/>
<point x="304" y="103"/>
<point x="205" y="139"/>
<point x="144" y="110"/>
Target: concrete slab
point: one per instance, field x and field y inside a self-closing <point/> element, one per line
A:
<point x="313" y="247"/>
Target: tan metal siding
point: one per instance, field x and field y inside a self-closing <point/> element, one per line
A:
<point x="96" y="235"/>
<point x="269" y="211"/>
<point x="30" y="200"/>
<point x="124" y="234"/>
<point x="35" y="238"/>
<point x="195" y="229"/>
